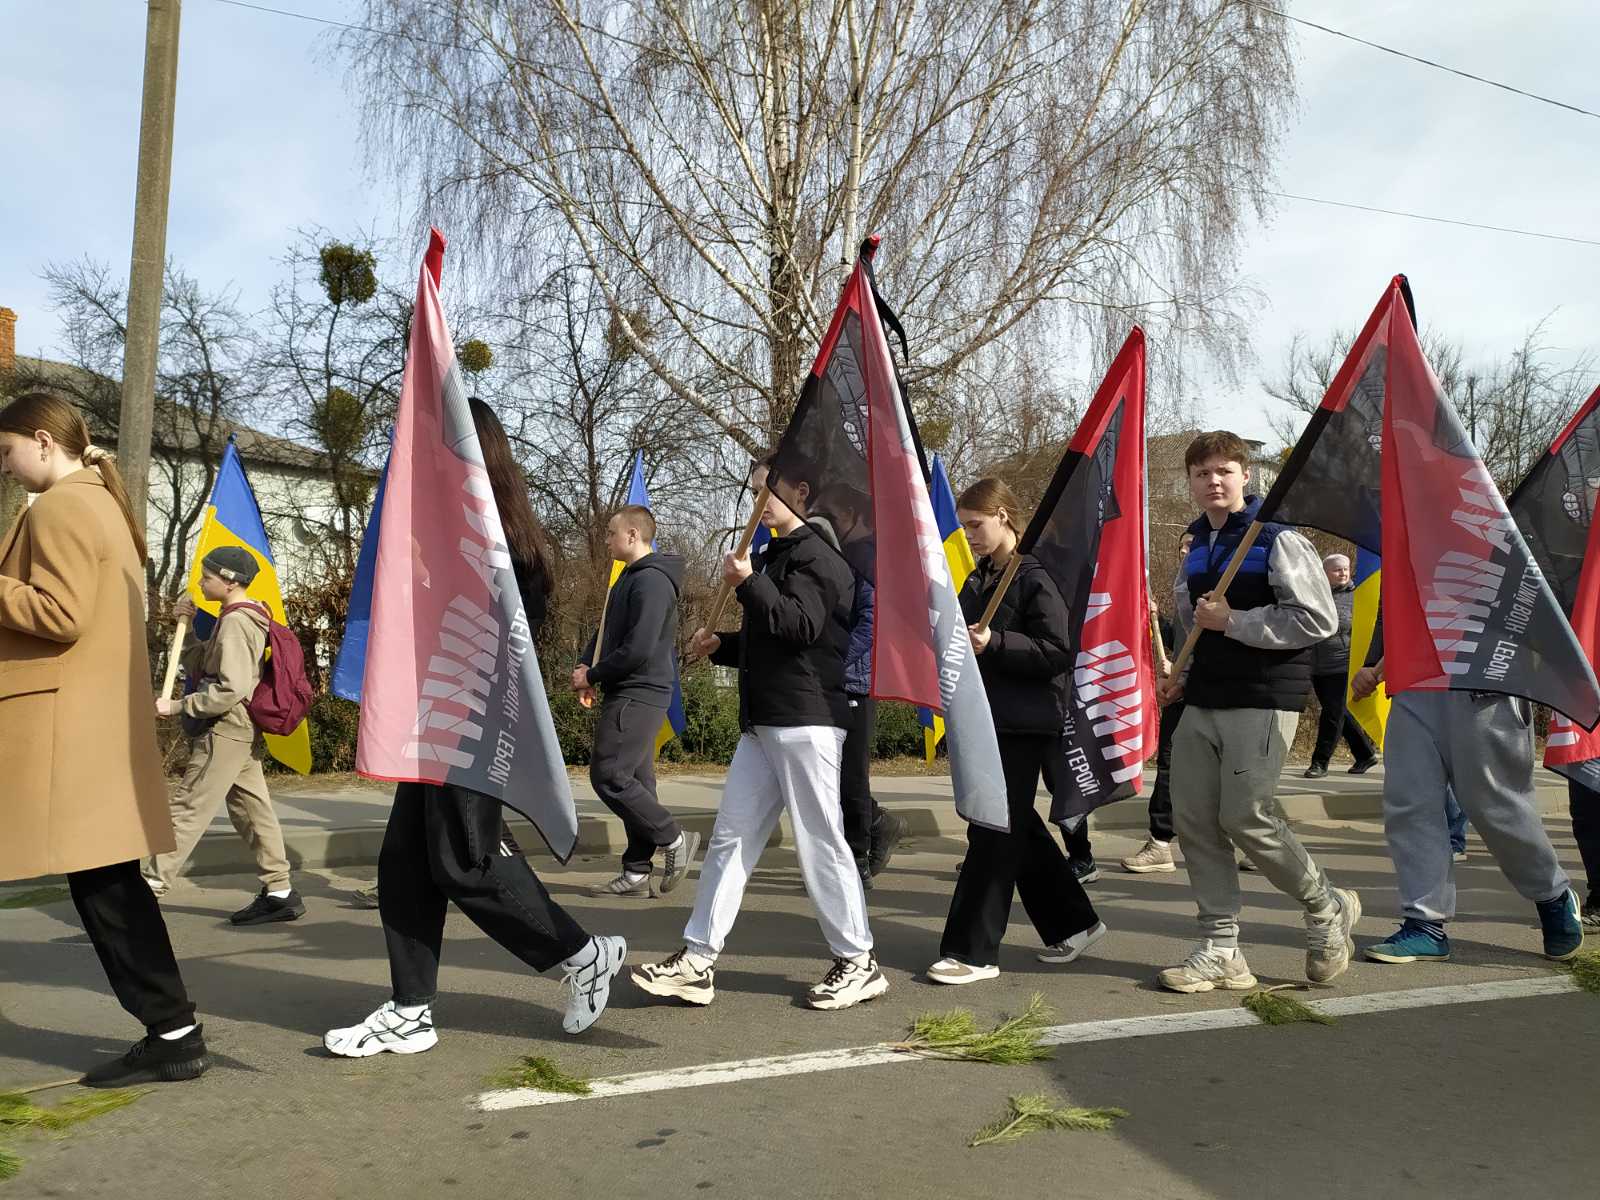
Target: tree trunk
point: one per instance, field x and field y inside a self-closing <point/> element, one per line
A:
<point x="11" y="501"/>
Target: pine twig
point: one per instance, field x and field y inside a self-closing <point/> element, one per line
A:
<point x="35" y="897"/>
<point x="1272" y="1008"/>
<point x="1040" y="1112"/>
<point x="542" y="1075"/>
<point x="955" y="1035"/>
<point x="1585" y="970"/>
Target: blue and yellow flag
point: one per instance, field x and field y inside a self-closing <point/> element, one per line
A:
<point x="1373" y="712"/>
<point x="959" y="555"/>
<point x="673" y="725"/>
<point x="233" y="518"/>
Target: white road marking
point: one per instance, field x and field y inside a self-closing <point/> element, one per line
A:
<point x="1161" y="1024"/>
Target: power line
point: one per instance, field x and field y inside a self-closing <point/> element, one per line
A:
<point x="1390" y="212"/>
<point x="1426" y="62"/>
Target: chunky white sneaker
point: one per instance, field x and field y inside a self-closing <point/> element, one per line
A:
<point x="387" y="1029"/>
<point x="1068" y="950"/>
<point x="1152" y="856"/>
<point x="1329" y="944"/>
<point x="1206" y="969"/>
<point x="954" y="971"/>
<point x="847" y="983"/>
<point x="589" y="975"/>
<point x="158" y="887"/>
<point x="676" y="978"/>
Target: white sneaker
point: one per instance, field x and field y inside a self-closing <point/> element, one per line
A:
<point x="387" y="1029"/>
<point x="847" y="983"/>
<point x="1206" y="969"/>
<point x="954" y="971"/>
<point x="157" y="887"/>
<point x="1329" y="944"/>
<point x="589" y="984"/>
<point x="1152" y="856"/>
<point x="676" y="978"/>
<point x="1068" y="950"/>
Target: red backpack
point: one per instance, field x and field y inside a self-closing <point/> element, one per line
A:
<point x="283" y="697"/>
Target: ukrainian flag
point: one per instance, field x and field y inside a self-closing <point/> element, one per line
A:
<point x="673" y="725"/>
<point x="959" y="555"/>
<point x="1373" y="712"/>
<point x="233" y="518"/>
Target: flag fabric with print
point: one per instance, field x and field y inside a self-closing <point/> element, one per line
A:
<point x="1385" y="463"/>
<point x="233" y="518"/>
<point x="452" y="692"/>
<point x="672" y="726"/>
<point x="851" y="458"/>
<point x="1554" y="508"/>
<point x="959" y="555"/>
<point x="1371" y="712"/>
<point x="1088" y="532"/>
<point x="351" y="663"/>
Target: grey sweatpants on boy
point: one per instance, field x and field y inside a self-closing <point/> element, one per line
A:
<point x="1481" y="745"/>
<point x="1225" y="766"/>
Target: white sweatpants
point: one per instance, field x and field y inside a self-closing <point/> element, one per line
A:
<point x="777" y="768"/>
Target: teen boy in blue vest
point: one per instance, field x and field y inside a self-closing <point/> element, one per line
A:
<point x="1245" y="689"/>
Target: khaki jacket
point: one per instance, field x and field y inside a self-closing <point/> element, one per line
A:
<point x="227" y="666"/>
<point x="81" y="781"/>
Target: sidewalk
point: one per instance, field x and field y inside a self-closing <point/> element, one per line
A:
<point x="344" y="826"/>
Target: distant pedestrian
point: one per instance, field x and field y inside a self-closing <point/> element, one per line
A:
<point x="1330" y="674"/>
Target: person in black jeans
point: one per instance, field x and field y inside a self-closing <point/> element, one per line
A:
<point x="1584" y="804"/>
<point x="1330" y="673"/>
<point x="447" y="843"/>
<point x="1156" y="853"/>
<point x="1022" y="656"/>
<point x="636" y="669"/>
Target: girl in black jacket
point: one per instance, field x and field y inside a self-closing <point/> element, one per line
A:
<point x="1022" y="656"/>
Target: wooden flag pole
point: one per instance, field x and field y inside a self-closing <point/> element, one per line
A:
<point x="178" y="635"/>
<point x="749" y="535"/>
<point x="1000" y="589"/>
<point x="1158" y="644"/>
<point x="1223" y="584"/>
<point x="587" y="699"/>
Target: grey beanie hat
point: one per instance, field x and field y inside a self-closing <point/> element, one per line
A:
<point x="233" y="563"/>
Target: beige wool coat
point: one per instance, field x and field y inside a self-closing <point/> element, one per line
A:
<point x="81" y="782"/>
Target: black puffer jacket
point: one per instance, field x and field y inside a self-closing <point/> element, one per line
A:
<point x="639" y="659"/>
<point x="1025" y="663"/>
<point x="1332" y="655"/>
<point x="790" y="653"/>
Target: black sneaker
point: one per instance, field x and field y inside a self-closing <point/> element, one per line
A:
<point x="1365" y="765"/>
<point x="864" y="869"/>
<point x="1085" y="870"/>
<point x="265" y="909"/>
<point x="1316" y="771"/>
<point x="888" y="831"/>
<point x="154" y="1060"/>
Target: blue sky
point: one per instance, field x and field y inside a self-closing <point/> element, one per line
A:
<point x="267" y="141"/>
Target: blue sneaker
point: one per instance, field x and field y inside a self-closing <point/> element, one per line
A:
<point x="1411" y="944"/>
<point x="1562" y="922"/>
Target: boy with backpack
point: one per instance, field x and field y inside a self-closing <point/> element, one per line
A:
<point x="224" y="766"/>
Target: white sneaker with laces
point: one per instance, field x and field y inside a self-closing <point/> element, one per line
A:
<point x="848" y="982"/>
<point x="388" y="1029"/>
<point x="1068" y="950"/>
<point x="954" y="971"/>
<point x="589" y="975"/>
<point x="1329" y="944"/>
<point x="157" y="887"/>
<point x="677" y="978"/>
<point x="1152" y="856"/>
<point x="1207" y="969"/>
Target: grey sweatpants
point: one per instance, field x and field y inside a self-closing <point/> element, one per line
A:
<point x="1225" y="766"/>
<point x="1482" y="746"/>
<point x="778" y="769"/>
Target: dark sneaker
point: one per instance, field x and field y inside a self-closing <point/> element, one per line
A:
<point x="676" y="859"/>
<point x="1316" y="771"/>
<point x="1562" y="922"/>
<point x="1591" y="913"/>
<point x="1410" y="944"/>
<point x="265" y="909"/>
<point x="888" y="831"/>
<point x="1084" y="870"/>
<point x="1365" y="765"/>
<point x="864" y="869"/>
<point x="154" y="1060"/>
<point x="366" y="897"/>
<point x="847" y="983"/>
<point x="676" y="978"/>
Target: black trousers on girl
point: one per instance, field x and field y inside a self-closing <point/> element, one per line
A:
<point x="861" y="811"/>
<point x="123" y="920"/>
<point x="443" y="844"/>
<point x="1027" y="860"/>
<point x="1584" y="805"/>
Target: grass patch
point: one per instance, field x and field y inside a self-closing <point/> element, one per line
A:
<point x="10" y="1164"/>
<point x="1585" y="970"/>
<point x="1272" y="1007"/>
<point x="18" y="1114"/>
<point x="35" y="897"/>
<point x="1041" y="1113"/>
<point x="542" y="1075"/>
<point x="955" y="1034"/>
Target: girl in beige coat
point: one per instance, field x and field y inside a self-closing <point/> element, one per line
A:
<point x="74" y="674"/>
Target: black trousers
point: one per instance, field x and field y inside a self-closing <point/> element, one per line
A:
<point x="1331" y="693"/>
<point x="443" y="844"/>
<point x="855" y="776"/>
<point x="123" y="920"/>
<point x="1161" y="827"/>
<point x="623" y="772"/>
<point x="1584" y="805"/>
<point x="1026" y="861"/>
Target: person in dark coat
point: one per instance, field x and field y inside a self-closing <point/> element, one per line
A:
<point x="1330" y="673"/>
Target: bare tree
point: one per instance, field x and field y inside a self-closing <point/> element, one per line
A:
<point x="1038" y="169"/>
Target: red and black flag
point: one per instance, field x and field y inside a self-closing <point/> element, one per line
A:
<point x="1386" y="463"/>
<point x="1089" y="534"/>
<point x="1554" y="508"/>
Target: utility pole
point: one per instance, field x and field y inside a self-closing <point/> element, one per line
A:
<point x="145" y="275"/>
